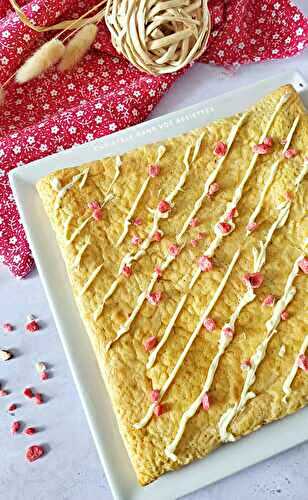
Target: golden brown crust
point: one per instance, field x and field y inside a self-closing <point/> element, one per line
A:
<point x="124" y="365"/>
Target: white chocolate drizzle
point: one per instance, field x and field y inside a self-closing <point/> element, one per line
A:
<point x="224" y="341"/>
<point x="197" y="146"/>
<point x="272" y="174"/>
<point x="80" y="253"/>
<point x="282" y="351"/>
<point x="55" y="184"/>
<point x="211" y="178"/>
<point x="124" y="328"/>
<point x="288" y="381"/>
<point x="301" y="175"/>
<point x="157" y="215"/>
<point x="160" y="152"/>
<point x="108" y="194"/>
<point x="90" y="280"/>
<point x="192" y="338"/>
<point x="131" y="212"/>
<point x="78" y="230"/>
<point x="62" y="191"/>
<point x="216" y="241"/>
<point x="108" y="294"/>
<point x="258" y="356"/>
<point x="66" y="225"/>
<point x="168" y="330"/>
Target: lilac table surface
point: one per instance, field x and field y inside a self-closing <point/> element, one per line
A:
<point x="71" y="470"/>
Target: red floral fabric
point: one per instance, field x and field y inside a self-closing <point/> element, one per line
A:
<point x="105" y="93"/>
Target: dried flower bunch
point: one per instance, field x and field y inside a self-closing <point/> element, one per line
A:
<point x="156" y="37"/>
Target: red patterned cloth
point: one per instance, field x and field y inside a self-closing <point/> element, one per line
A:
<point x="105" y="93"/>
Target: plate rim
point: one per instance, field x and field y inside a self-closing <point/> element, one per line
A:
<point x="21" y="178"/>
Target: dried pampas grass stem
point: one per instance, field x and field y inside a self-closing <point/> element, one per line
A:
<point x="78" y="46"/>
<point x="2" y="96"/>
<point x="45" y="57"/>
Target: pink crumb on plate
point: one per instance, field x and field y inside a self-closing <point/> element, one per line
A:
<point x="29" y="431"/>
<point x="32" y="326"/>
<point x="28" y="393"/>
<point x="15" y="427"/>
<point x="7" y="327"/>
<point x="38" y="398"/>
<point x="34" y="452"/>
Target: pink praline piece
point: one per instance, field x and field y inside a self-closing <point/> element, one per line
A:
<point x="205" y="263"/>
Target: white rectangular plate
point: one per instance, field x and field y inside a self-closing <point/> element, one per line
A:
<point x="229" y="458"/>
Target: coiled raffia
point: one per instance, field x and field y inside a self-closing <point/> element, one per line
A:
<point x="159" y="36"/>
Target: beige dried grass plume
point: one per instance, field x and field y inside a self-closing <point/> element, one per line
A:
<point x="159" y="36"/>
<point x="45" y="57"/>
<point x="2" y="96"/>
<point x="77" y="47"/>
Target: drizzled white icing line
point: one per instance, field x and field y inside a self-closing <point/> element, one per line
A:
<point x="78" y="230"/>
<point x="55" y="184"/>
<point x="127" y="221"/>
<point x="288" y="381"/>
<point x="219" y="235"/>
<point x="301" y="175"/>
<point x="211" y="178"/>
<point x="160" y="152"/>
<point x="84" y="178"/>
<point x="124" y="328"/>
<point x="192" y="338"/>
<point x="224" y="340"/>
<point x="80" y="253"/>
<point x="258" y="356"/>
<point x="239" y="190"/>
<point x="157" y="215"/>
<point x="168" y="330"/>
<point x="282" y="351"/>
<point x="271" y="176"/>
<point x="66" y="225"/>
<point x="108" y="294"/>
<point x="197" y="146"/>
<point x="62" y="191"/>
<point x="108" y="195"/>
<point x="90" y="280"/>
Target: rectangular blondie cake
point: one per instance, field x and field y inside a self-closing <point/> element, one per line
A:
<point x="187" y="262"/>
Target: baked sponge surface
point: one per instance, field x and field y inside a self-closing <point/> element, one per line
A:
<point x="187" y="263"/>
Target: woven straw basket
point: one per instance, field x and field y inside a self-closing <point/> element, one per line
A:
<point x="159" y="36"/>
